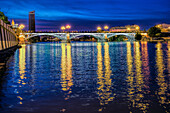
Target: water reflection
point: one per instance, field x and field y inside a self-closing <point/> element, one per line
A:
<point x="22" y="64"/>
<point x="66" y="69"/>
<point x="162" y="91"/>
<point x="129" y="60"/>
<point x="145" y="64"/>
<point x="104" y="80"/>
<point x="136" y="83"/>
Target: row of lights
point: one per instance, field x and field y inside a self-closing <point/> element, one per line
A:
<point x="65" y="27"/>
<point x="69" y="27"/>
<point x="105" y="27"/>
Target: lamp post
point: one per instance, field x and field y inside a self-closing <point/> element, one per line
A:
<point x="99" y="28"/>
<point x="106" y="27"/>
<point x="68" y="27"/>
<point x="63" y="28"/>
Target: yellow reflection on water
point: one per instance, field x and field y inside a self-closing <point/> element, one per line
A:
<point x="160" y="76"/>
<point x="22" y="65"/>
<point x="66" y="69"/>
<point x="136" y="82"/>
<point x="69" y="67"/>
<point x="129" y="58"/>
<point x="104" y="80"/>
<point x="130" y="78"/>
<point x="139" y="80"/>
<point x="145" y="64"/>
<point x="168" y="53"/>
<point x="22" y="68"/>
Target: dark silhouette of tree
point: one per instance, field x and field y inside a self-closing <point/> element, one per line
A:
<point x="153" y="31"/>
<point x="4" y="18"/>
<point x="138" y="36"/>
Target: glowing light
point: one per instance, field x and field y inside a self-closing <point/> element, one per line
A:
<point x="128" y="28"/>
<point x="68" y="26"/>
<point x="22" y="26"/>
<point x="63" y="28"/>
<point x="99" y="28"/>
<point x="106" y="27"/>
<point x="137" y="27"/>
<point x="13" y="23"/>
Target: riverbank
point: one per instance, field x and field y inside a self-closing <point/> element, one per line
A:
<point x="5" y="55"/>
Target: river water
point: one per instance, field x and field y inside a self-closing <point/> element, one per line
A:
<point x="87" y="77"/>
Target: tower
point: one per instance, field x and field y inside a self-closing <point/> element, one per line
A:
<point x="13" y="23"/>
<point x="32" y="21"/>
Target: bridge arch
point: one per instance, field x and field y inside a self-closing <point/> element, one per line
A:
<point x="130" y="36"/>
<point x="97" y="36"/>
<point x="59" y="36"/>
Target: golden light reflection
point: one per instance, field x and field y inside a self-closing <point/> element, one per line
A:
<point x="130" y="78"/>
<point x="22" y="65"/>
<point x="145" y="64"/>
<point x="22" y="68"/>
<point x="168" y="53"/>
<point x="66" y="69"/>
<point x="129" y="58"/>
<point x="136" y="83"/>
<point x="104" y="80"/>
<point x="160" y="76"/>
<point x="139" y="80"/>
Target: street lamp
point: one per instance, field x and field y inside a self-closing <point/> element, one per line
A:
<point x="22" y="26"/>
<point x="63" y="28"/>
<point x="68" y="27"/>
<point x="106" y="27"/>
<point x="99" y="28"/>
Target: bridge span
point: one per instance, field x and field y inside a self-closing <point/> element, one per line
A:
<point x="69" y="36"/>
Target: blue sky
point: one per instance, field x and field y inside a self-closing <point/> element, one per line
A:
<point x="87" y="14"/>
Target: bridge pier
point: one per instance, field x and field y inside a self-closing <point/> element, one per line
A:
<point x="105" y="36"/>
<point x="68" y="38"/>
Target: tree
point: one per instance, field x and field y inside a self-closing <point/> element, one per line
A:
<point x="4" y="18"/>
<point x="138" y="36"/>
<point x="117" y="38"/>
<point x="153" y="31"/>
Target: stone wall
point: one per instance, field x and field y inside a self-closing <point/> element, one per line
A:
<point x="7" y="36"/>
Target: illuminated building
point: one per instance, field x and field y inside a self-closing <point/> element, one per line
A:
<point x="15" y="27"/>
<point x="128" y="28"/>
<point x="32" y="21"/>
<point x="164" y="27"/>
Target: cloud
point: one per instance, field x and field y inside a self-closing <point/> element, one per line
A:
<point x="88" y="10"/>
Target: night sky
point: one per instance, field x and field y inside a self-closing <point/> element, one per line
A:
<point x="87" y="14"/>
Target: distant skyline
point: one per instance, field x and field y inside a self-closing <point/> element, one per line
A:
<point x="87" y="14"/>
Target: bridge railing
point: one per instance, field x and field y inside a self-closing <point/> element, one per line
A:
<point x="7" y="36"/>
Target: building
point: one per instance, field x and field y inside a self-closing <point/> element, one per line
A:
<point x="32" y="21"/>
<point x="164" y="27"/>
<point x="128" y="28"/>
<point x="15" y="27"/>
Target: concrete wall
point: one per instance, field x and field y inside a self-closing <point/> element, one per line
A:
<point x="7" y="36"/>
